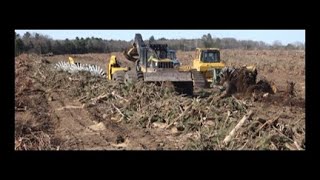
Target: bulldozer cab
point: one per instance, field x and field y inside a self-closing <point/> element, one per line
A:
<point x="160" y="50"/>
<point x="161" y="54"/>
<point x="155" y="56"/>
<point x="172" y="55"/>
<point x="208" y="55"/>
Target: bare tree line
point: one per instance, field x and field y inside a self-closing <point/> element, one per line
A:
<point x="42" y="44"/>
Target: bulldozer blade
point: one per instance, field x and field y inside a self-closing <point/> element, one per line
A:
<point x="172" y="76"/>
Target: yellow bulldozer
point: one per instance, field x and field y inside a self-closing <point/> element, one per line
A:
<point x="206" y="67"/>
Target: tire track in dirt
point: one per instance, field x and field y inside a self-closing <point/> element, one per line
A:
<point x="81" y="131"/>
<point x="73" y="125"/>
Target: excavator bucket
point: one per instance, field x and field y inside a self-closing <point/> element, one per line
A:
<point x="131" y="54"/>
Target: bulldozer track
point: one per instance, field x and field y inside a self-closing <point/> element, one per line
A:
<point x="198" y="79"/>
<point x="140" y="75"/>
<point x="119" y="76"/>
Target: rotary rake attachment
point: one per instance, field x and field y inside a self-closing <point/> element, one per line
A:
<point x="95" y="70"/>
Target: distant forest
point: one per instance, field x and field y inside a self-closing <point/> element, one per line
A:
<point x="42" y="44"/>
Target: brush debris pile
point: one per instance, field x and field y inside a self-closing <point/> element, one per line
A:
<point x="209" y="118"/>
<point x="204" y="120"/>
<point x="34" y="128"/>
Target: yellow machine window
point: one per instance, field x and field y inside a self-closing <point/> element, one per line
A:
<point x="210" y="57"/>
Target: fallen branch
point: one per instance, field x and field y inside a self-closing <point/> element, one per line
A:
<point x="118" y="111"/>
<point x="283" y="134"/>
<point x="73" y="79"/>
<point x="274" y="146"/>
<point x="180" y="109"/>
<point x="18" y="143"/>
<point x="98" y="98"/>
<point x="239" y="102"/>
<point x="20" y="109"/>
<point x="233" y="131"/>
<point x="228" y="115"/>
<point x="244" y="145"/>
<point x="267" y="122"/>
<point x="298" y="121"/>
<point x="43" y="76"/>
<point x="82" y="98"/>
<point x="219" y="144"/>
<point x="149" y="121"/>
<point x="182" y="114"/>
<point x="290" y="147"/>
<point x="297" y="145"/>
<point x="71" y="107"/>
<point x="114" y="94"/>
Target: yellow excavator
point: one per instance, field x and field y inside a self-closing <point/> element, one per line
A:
<point x="71" y="61"/>
<point x="115" y="71"/>
<point x="152" y="64"/>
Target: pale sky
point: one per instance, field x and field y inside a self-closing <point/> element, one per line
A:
<point x="268" y="36"/>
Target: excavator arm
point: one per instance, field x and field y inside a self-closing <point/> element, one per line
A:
<point x="133" y="54"/>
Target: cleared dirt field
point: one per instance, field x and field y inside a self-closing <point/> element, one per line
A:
<point x="61" y="111"/>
